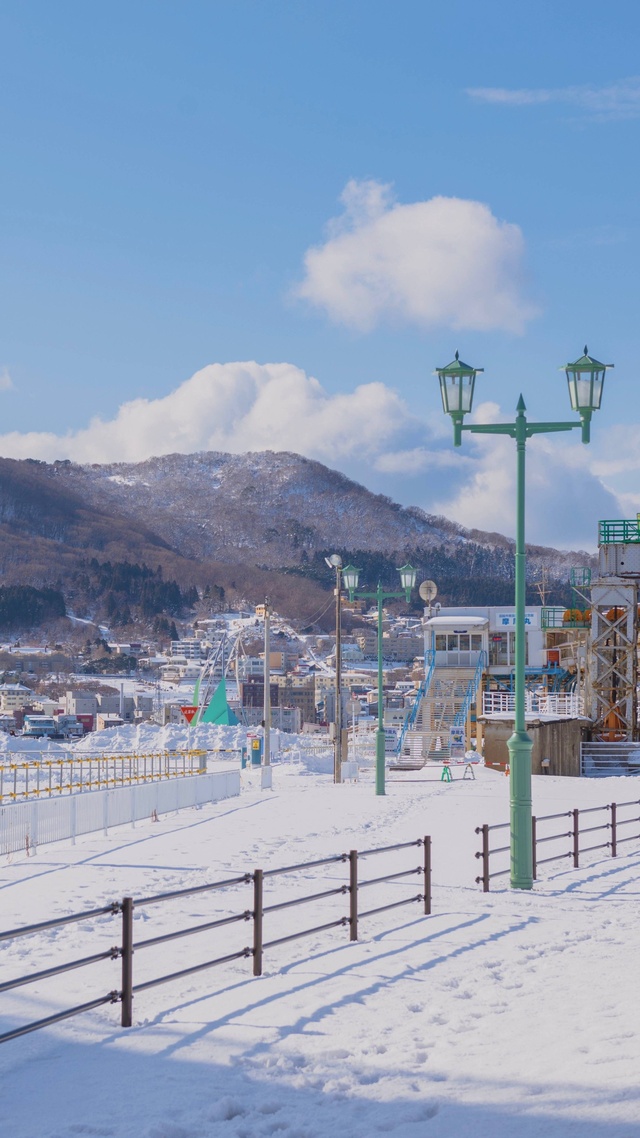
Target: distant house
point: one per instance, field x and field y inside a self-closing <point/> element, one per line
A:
<point x="13" y="696"/>
<point x="107" y="719"/>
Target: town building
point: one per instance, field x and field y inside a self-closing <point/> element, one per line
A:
<point x="459" y="635"/>
<point x="108" y="720"/>
<point x="298" y="691"/>
<point x="189" y="649"/>
<point x="80" y="703"/>
<point x="13" y="696"/>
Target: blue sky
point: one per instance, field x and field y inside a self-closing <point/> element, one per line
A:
<point x="168" y="166"/>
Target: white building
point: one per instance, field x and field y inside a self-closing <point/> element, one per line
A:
<point x="190" y="649"/>
<point x="459" y="635"/>
<point x="80" y="703"/>
<point x="13" y="696"/>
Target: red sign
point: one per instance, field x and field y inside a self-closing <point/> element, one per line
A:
<point x="188" y="712"/>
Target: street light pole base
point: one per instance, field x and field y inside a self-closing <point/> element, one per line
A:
<point x="380" y="762"/>
<point x="520" y="747"/>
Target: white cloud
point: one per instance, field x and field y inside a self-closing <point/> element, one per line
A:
<point x="442" y="262"/>
<point x="6" y="382"/>
<point x="233" y="407"/>
<point x="371" y="435"/>
<point x="614" y="101"/>
<point x="415" y="461"/>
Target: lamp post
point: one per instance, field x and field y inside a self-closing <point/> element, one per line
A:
<point x="585" y="378"/>
<point x="266" y="759"/>
<point x="350" y="576"/>
<point x="335" y="562"/>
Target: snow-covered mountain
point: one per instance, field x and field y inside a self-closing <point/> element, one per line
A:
<point x="245" y="525"/>
<point x="266" y="508"/>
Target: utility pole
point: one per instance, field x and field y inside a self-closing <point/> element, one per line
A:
<point x="335" y="562"/>
<point x="266" y="758"/>
<point x="337" y="771"/>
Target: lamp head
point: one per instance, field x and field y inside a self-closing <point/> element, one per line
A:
<point x="585" y="378"/>
<point x="407" y="578"/>
<point x="350" y="578"/>
<point x="334" y="561"/>
<point x="457" y="383"/>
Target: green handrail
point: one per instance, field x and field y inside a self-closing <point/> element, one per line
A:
<point x="619" y="531"/>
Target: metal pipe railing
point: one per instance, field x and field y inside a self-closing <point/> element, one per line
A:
<point x="126" y="907"/>
<point x="576" y="833"/>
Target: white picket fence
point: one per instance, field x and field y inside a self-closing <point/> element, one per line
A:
<point x="26" y="825"/>
<point x="564" y="705"/>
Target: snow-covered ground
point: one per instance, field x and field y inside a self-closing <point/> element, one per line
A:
<point x="499" y="1014"/>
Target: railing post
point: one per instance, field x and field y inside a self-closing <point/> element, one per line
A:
<point x="576" y="839"/>
<point x="353" y="894"/>
<point x="126" y="996"/>
<point x="257" y="922"/>
<point x="614" y="832"/>
<point x="534" y="840"/>
<point x="427" y="874"/>
<point x="485" y="858"/>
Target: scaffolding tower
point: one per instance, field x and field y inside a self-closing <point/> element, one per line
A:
<point x="613" y="668"/>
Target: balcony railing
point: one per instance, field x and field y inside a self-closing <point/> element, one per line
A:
<point x="564" y="705"/>
<point x="621" y="532"/>
<point x="558" y="617"/>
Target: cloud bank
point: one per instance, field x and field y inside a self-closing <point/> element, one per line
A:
<point x="611" y="102"/>
<point x="371" y="435"/>
<point x="233" y="407"/>
<point x="443" y="262"/>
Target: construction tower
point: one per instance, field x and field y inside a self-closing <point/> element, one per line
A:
<point x="613" y="665"/>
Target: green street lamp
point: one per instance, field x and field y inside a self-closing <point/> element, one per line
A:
<point x="457" y="381"/>
<point x="350" y="577"/>
<point x="586" y="381"/>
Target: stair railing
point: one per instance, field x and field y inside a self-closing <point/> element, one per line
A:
<point x="460" y="717"/>
<point x="412" y="714"/>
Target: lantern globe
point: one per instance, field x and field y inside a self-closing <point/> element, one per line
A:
<point x="350" y="577"/>
<point x="407" y="576"/>
<point x="457" y="383"/>
<point x="585" y="378"/>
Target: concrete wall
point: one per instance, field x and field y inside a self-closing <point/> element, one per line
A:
<point x="558" y="740"/>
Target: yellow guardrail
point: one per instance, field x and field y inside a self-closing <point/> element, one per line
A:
<point x="74" y="773"/>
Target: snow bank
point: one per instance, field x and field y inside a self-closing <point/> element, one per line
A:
<point x="147" y="737"/>
<point x="11" y="743"/>
<point x="313" y="753"/>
